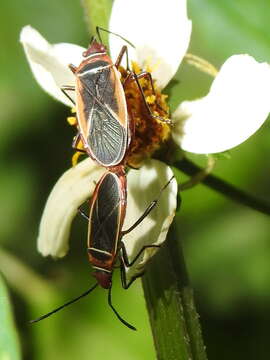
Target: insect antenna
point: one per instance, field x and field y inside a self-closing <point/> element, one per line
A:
<point x="116" y="313"/>
<point x="66" y="304"/>
<point x="98" y="28"/>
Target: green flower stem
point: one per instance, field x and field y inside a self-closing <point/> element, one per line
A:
<point x="97" y="13"/>
<point x="169" y="297"/>
<point x="221" y="186"/>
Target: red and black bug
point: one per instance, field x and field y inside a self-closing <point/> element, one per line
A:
<point x="106" y="128"/>
<point x="105" y="124"/>
<point x="105" y="246"/>
<point x="101" y="109"/>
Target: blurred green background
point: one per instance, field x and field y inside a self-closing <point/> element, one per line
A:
<point x="226" y="245"/>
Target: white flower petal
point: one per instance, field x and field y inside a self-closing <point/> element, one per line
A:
<point x="237" y="105"/>
<point x="77" y="184"/>
<point x="73" y="188"/>
<point x="49" y="63"/>
<point x="160" y="31"/>
<point x="144" y="186"/>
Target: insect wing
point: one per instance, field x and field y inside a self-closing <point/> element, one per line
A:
<point x="102" y="111"/>
<point x="106" y="217"/>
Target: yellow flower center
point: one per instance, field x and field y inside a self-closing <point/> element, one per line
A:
<point x="151" y="129"/>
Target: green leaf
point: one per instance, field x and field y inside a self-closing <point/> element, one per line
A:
<point x="9" y="342"/>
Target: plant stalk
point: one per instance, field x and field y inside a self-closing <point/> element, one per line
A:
<point x="223" y="187"/>
<point x="170" y="303"/>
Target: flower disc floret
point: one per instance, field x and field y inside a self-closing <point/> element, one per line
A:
<point x="150" y="127"/>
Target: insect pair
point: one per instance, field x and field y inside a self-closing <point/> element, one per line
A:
<point x="105" y="129"/>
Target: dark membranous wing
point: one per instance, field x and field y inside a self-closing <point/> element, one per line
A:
<point x="107" y="137"/>
<point x="105" y="216"/>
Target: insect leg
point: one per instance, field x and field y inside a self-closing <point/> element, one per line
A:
<point x="123" y="51"/>
<point x="134" y="77"/>
<point x="149" y="208"/>
<point x="66" y="88"/>
<point x="124" y="257"/>
<point x="75" y="143"/>
<point x="124" y="282"/>
<point x="72" y="68"/>
<point x="98" y="28"/>
<point x="89" y="201"/>
<point x="145" y="74"/>
<point x="83" y="213"/>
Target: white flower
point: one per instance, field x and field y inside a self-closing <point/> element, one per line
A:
<point x="238" y="102"/>
<point x="235" y="107"/>
<point x="77" y="184"/>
